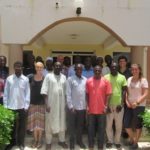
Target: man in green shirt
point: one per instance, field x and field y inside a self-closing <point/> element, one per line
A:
<point x="115" y="106"/>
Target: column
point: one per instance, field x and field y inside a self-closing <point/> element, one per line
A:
<point x="15" y="54"/>
<point x="4" y="49"/>
<point x="139" y="56"/>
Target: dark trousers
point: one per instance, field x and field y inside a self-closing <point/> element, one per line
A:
<point x="76" y="124"/>
<point x="19" y="129"/>
<point x="100" y="121"/>
<point x="1" y="101"/>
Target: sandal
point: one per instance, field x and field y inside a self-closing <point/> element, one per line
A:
<point x="34" y="144"/>
<point x="39" y="145"/>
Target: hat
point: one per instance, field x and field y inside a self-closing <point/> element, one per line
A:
<point x="49" y="58"/>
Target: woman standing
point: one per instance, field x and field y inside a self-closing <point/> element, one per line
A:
<point x="136" y="101"/>
<point x="36" y="112"/>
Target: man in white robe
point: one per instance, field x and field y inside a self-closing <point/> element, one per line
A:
<point x="53" y="89"/>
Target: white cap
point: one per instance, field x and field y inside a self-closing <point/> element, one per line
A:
<point x="49" y="58"/>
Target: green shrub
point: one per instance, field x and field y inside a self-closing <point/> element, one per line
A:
<point x="7" y="118"/>
<point x="146" y="119"/>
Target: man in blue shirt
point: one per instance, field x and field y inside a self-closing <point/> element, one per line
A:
<point x="76" y="101"/>
<point x="17" y="99"/>
<point x="88" y="69"/>
<point x="71" y="71"/>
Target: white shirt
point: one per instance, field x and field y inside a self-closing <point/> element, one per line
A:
<point x="135" y="90"/>
<point x="17" y="92"/>
<point x="76" y="95"/>
<point x="54" y="87"/>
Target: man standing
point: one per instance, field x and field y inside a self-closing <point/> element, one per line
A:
<point x="53" y="89"/>
<point x="49" y="66"/>
<point x="17" y="98"/>
<point x="98" y="91"/>
<point x="87" y="69"/>
<point x="123" y="69"/>
<point x="115" y="105"/>
<point x="77" y="60"/>
<point x="4" y="70"/>
<point x="76" y="101"/>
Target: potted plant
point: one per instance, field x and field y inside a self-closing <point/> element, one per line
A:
<point x="7" y="118"/>
<point x="146" y="119"/>
<point x="146" y="124"/>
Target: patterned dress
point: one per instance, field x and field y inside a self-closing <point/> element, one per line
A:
<point x="36" y="114"/>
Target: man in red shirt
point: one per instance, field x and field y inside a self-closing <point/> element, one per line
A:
<point x="98" y="91"/>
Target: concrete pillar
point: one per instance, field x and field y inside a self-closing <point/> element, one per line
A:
<point x="4" y="49"/>
<point x="139" y="56"/>
<point x="15" y="54"/>
<point x="148" y="72"/>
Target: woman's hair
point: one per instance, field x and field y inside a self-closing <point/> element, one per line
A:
<point x="140" y="69"/>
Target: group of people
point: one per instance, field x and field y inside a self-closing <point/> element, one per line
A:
<point x="59" y="96"/>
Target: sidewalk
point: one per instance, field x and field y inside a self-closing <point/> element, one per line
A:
<point x="55" y="146"/>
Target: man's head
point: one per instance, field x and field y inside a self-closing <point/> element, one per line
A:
<point x="78" y="69"/>
<point x="114" y="69"/>
<point x="77" y="59"/>
<point x="49" y="63"/>
<point x="87" y="63"/>
<point x="122" y="61"/>
<point x="108" y="60"/>
<point x="3" y="61"/>
<point x="57" y="68"/>
<point x="18" y="68"/>
<point x="39" y="59"/>
<point x="99" y="61"/>
<point x="60" y="59"/>
<point x="97" y="71"/>
<point x="67" y="61"/>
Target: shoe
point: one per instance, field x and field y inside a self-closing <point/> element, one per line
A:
<point x="108" y="145"/>
<point x="128" y="143"/>
<point x="82" y="145"/>
<point x="48" y="146"/>
<point x="118" y="146"/>
<point x="71" y="146"/>
<point x="21" y="147"/>
<point x="100" y="147"/>
<point x="9" y="147"/>
<point x="134" y="146"/>
<point x="63" y="145"/>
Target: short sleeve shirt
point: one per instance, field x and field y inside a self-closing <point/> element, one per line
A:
<point x="135" y="90"/>
<point x="97" y="89"/>
<point x="117" y="82"/>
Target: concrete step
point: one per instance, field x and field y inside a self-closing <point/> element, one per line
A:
<point x="55" y="146"/>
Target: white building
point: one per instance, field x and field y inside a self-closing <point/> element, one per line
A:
<point x="102" y="27"/>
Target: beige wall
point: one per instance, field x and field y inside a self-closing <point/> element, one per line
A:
<point x="98" y="49"/>
<point x="22" y="20"/>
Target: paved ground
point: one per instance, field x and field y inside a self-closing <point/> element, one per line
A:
<point x="55" y="146"/>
